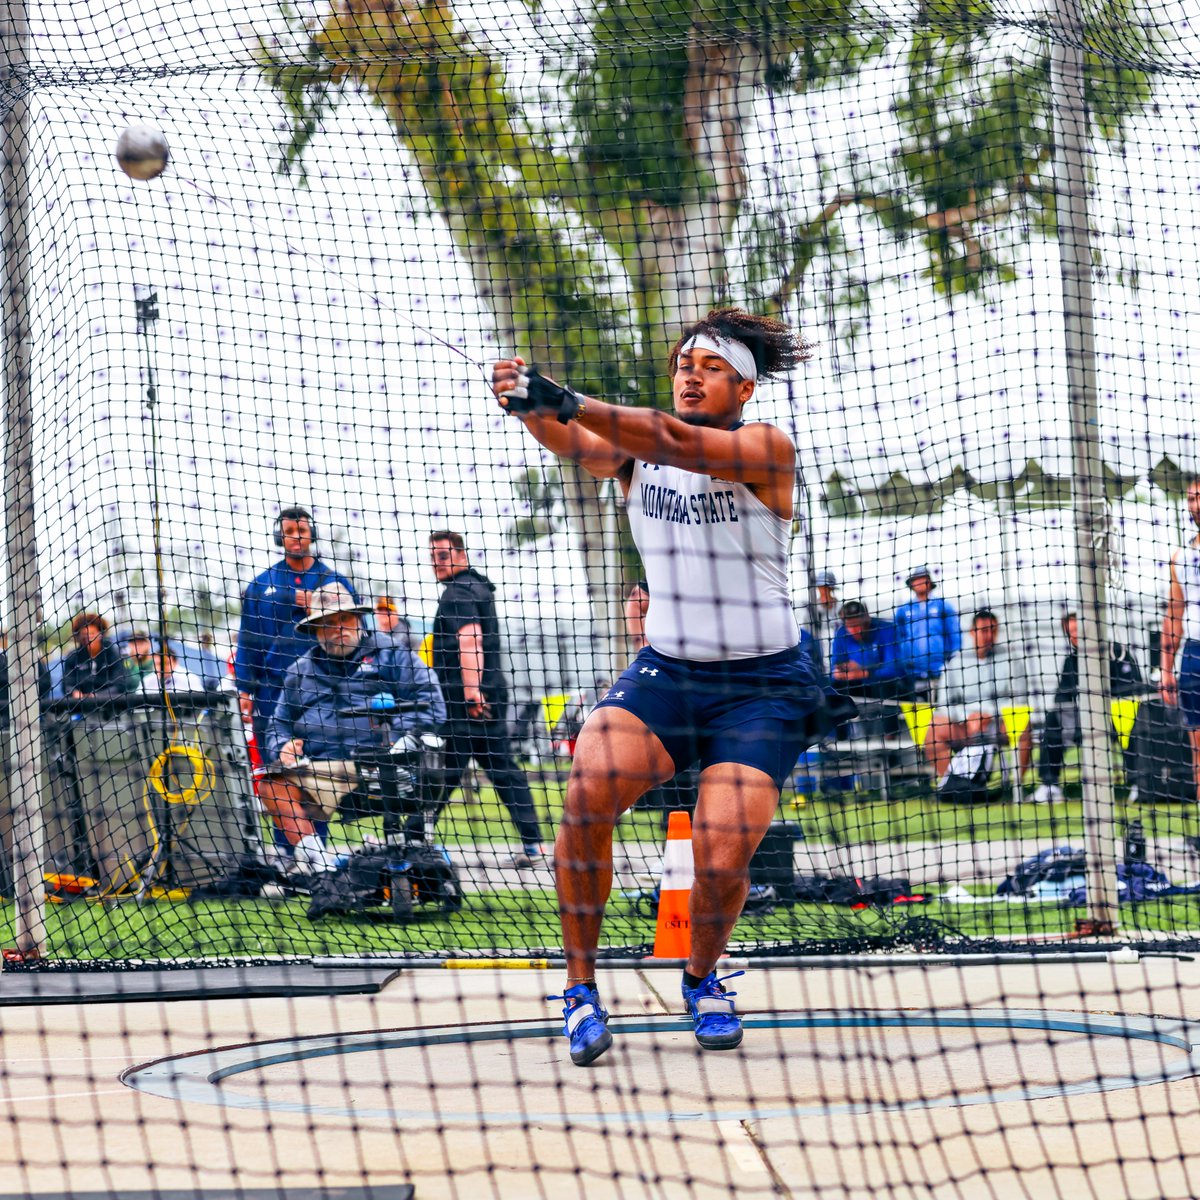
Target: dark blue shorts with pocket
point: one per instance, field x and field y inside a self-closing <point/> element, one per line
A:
<point x="759" y="712"/>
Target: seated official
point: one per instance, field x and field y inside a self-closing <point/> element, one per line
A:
<point x="866" y="655"/>
<point x="976" y="686"/>
<point x="866" y="664"/>
<point x="1062" y="727"/>
<point x="314" y="740"/>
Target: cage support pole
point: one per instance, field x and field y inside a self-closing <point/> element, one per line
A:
<point x="1072" y="162"/>
<point x="20" y="539"/>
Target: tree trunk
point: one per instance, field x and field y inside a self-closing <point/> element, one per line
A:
<point x="592" y="513"/>
<point x="681" y="270"/>
<point x="453" y="117"/>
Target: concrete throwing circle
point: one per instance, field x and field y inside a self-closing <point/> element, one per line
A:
<point x="847" y="1062"/>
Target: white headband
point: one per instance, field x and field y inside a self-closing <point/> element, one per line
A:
<point x="736" y="354"/>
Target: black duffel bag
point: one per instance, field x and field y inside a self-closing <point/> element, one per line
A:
<point x="1161" y="750"/>
<point x="402" y="876"/>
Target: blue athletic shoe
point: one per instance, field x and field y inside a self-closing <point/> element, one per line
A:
<point x="710" y="1006"/>
<point x="584" y="1022"/>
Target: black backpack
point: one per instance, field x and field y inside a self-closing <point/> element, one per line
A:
<point x="1161" y="750"/>
<point x="415" y="874"/>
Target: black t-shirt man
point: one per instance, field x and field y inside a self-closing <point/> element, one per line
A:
<point x="466" y="661"/>
<point x="468" y="599"/>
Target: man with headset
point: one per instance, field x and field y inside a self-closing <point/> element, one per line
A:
<point x="268" y="639"/>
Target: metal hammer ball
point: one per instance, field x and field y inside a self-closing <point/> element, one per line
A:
<point x="142" y="152"/>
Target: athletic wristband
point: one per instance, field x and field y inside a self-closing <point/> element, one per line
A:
<point x="535" y="393"/>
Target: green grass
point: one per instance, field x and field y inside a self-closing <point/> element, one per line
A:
<point x="525" y="920"/>
<point x="862" y="818"/>
<point x="521" y="922"/>
<point x="927" y="820"/>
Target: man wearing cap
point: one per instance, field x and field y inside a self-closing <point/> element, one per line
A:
<point x="929" y="634"/>
<point x="139" y="656"/>
<point x="390" y="625"/>
<point x="824" y="616"/>
<point x="866" y="655"/>
<point x="313" y="740"/>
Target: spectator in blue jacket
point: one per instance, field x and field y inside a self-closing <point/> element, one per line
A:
<point x="269" y="639"/>
<point x="314" y="741"/>
<point x="866" y="655"/>
<point x="929" y="633"/>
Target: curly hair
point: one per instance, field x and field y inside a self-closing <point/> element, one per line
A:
<point x="776" y="348"/>
<point x="84" y="619"/>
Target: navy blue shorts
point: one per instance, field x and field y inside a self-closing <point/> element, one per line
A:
<point x="759" y="712"/>
<point x="1188" y="680"/>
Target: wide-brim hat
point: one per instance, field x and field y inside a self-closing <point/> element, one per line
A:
<point x="328" y="601"/>
<point x="917" y="572"/>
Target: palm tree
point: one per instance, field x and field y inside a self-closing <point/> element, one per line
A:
<point x="602" y="215"/>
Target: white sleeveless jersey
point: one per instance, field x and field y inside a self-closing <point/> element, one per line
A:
<point x="1187" y="571"/>
<point x="716" y="565"/>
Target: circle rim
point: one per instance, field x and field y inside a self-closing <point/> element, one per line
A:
<point x="198" y="1076"/>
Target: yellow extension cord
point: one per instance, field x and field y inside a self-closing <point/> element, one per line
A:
<point x="196" y="792"/>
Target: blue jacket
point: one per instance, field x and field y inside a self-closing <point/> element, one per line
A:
<point x="268" y="643"/>
<point x="879" y="651"/>
<point x="929" y="636"/>
<point x="318" y="685"/>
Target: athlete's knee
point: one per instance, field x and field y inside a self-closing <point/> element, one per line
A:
<point x="725" y="845"/>
<point x="588" y="803"/>
<point x="606" y="775"/>
<point x="721" y="878"/>
<point x="724" y="856"/>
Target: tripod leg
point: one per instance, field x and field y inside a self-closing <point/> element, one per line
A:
<point x="389" y="795"/>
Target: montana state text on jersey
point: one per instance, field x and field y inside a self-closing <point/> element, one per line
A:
<point x="699" y="508"/>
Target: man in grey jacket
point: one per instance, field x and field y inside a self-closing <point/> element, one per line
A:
<point x="314" y="737"/>
<point x="977" y="685"/>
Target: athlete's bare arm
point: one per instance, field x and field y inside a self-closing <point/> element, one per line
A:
<point x="607" y="437"/>
<point x="1172" y="634"/>
<point x="760" y="456"/>
<point x="756" y="454"/>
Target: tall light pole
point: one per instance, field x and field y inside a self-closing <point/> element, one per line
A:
<point x="146" y="307"/>
<point x="24" y="600"/>
<point x="1072" y="161"/>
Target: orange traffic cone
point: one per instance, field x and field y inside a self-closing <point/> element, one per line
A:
<point x="673" y="937"/>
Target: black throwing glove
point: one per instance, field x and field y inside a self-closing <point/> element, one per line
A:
<point x="535" y="393"/>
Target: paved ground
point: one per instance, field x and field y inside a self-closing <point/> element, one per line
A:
<point x="888" y="1111"/>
